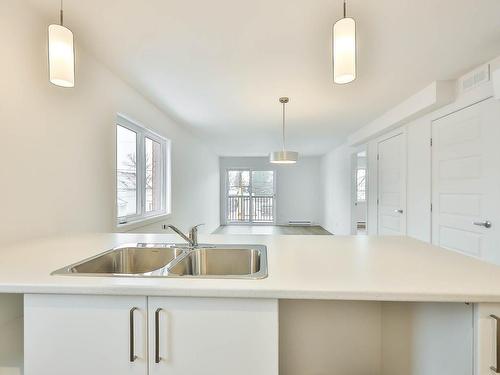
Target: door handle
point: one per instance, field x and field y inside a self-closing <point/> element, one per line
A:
<point x="157" y="335"/>
<point x="486" y="224"/>
<point x="132" y="356"/>
<point x="400" y="211"/>
<point x="496" y="370"/>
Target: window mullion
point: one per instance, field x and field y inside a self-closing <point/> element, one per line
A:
<point x="141" y="174"/>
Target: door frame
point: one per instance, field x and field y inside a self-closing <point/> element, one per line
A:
<point x="225" y="195"/>
<point x="397" y="132"/>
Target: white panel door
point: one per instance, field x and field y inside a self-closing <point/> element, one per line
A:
<point x="466" y="181"/>
<point x="392" y="186"/>
<point x="84" y="335"/>
<point x="213" y="336"/>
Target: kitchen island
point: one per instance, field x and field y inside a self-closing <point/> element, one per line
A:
<point x="330" y="305"/>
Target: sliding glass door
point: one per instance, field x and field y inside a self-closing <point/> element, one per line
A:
<point x="238" y="196"/>
<point x="249" y="196"/>
<point x="262" y="188"/>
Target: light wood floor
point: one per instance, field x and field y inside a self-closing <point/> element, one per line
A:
<point x="271" y="229"/>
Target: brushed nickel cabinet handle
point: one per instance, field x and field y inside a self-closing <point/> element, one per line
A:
<point x="132" y="357"/>
<point x="497" y="334"/>
<point x="157" y="335"/>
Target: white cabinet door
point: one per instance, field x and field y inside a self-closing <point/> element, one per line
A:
<point x="465" y="181"/>
<point x="486" y="338"/>
<point x="84" y="335"/>
<point x="213" y="336"/>
<point x="392" y="186"/>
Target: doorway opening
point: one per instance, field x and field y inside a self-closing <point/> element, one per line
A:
<point x="359" y="211"/>
<point x="250" y="197"/>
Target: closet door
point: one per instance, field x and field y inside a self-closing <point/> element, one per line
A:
<point x="466" y="181"/>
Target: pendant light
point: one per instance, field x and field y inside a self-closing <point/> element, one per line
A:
<point x="61" y="54"/>
<point x="283" y="156"/>
<point x="344" y="49"/>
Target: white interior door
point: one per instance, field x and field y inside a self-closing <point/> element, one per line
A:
<point x="392" y="186"/>
<point x="466" y="180"/>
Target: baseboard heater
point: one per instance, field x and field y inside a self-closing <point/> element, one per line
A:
<point x="299" y="222"/>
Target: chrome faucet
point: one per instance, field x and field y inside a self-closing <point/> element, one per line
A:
<point x="193" y="235"/>
<point x="191" y="239"/>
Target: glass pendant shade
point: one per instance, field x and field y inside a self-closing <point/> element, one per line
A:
<point x="344" y="51"/>
<point x="283" y="157"/>
<point x="61" y="56"/>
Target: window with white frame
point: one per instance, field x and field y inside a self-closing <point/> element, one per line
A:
<point x="142" y="173"/>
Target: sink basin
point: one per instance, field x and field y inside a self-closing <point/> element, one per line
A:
<point x="130" y="260"/>
<point x="171" y="260"/>
<point x="219" y="262"/>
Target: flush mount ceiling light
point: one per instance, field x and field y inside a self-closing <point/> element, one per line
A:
<point x="283" y="156"/>
<point x="344" y="49"/>
<point x="61" y="54"/>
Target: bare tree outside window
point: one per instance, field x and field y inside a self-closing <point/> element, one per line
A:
<point x="126" y="161"/>
<point x="361" y="185"/>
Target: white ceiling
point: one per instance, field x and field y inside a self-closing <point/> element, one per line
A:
<point x="219" y="66"/>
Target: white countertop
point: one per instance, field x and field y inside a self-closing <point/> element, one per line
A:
<point x="300" y="267"/>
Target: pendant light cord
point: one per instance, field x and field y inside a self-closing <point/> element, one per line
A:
<point x="345" y="8"/>
<point x="61" y="13"/>
<point x="284" y="126"/>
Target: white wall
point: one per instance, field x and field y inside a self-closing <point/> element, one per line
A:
<point x="298" y="186"/>
<point x="337" y="194"/>
<point x="57" y="145"/>
<point x="418" y="187"/>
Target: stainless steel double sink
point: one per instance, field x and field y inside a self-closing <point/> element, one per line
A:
<point x="175" y="260"/>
